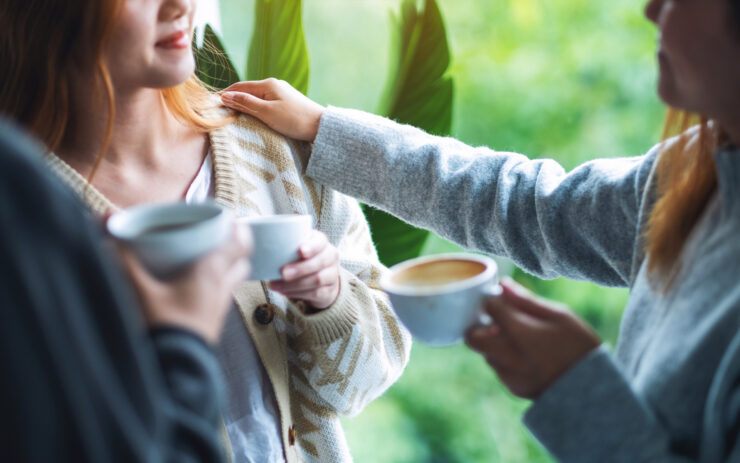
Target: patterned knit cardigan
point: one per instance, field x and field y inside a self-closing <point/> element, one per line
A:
<point x="322" y="365"/>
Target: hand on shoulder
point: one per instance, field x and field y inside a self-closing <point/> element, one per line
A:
<point x="277" y="104"/>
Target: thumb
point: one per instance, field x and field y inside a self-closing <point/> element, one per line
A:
<point x="243" y="102"/>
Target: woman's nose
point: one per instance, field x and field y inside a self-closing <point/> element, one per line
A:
<point x="652" y="10"/>
<point x="173" y="9"/>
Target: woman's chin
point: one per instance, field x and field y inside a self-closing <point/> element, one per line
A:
<point x="173" y="77"/>
<point x="667" y="93"/>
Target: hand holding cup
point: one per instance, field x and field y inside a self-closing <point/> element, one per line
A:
<point x="315" y="277"/>
<point x="439" y="297"/>
<point x="184" y="260"/>
<point x="532" y="341"/>
<point x="299" y="261"/>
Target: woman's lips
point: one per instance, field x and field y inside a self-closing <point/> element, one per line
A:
<point x="176" y="41"/>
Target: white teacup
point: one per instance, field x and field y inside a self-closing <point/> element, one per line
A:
<point x="168" y="237"/>
<point x="439" y="297"/>
<point x="276" y="242"/>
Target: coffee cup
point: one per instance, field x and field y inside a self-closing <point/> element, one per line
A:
<point x="276" y="242"/>
<point x="439" y="297"/>
<point x="167" y="237"/>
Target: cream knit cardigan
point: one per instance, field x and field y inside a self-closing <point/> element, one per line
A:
<point x="322" y="365"/>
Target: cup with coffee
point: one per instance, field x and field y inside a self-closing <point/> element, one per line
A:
<point x="276" y="242"/>
<point x="439" y="297"/>
<point x="167" y="237"/>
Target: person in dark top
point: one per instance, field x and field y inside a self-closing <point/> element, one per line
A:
<point x="83" y="376"/>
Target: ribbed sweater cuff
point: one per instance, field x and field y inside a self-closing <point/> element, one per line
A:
<point x="337" y="320"/>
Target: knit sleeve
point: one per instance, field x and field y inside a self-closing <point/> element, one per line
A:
<point x="354" y="350"/>
<point x="592" y="413"/>
<point x="585" y="224"/>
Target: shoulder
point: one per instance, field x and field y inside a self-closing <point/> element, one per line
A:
<point x="252" y="135"/>
<point x="248" y="127"/>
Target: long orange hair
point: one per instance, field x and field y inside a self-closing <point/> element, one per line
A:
<point x="45" y="43"/>
<point x="686" y="180"/>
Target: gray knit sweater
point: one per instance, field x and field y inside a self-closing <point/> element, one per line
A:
<point x="671" y="393"/>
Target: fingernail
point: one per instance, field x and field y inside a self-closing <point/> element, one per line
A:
<point x="228" y="96"/>
<point x="288" y="273"/>
<point x="305" y="250"/>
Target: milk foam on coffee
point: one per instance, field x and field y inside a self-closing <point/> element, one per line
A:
<point x="439" y="272"/>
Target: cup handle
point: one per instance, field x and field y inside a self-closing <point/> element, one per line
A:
<point x="494" y="290"/>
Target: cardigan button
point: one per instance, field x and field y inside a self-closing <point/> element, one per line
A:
<point x="291" y="435"/>
<point x="264" y="313"/>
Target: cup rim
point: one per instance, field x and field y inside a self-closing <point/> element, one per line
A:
<point x="117" y="224"/>
<point x="386" y="281"/>
<point x="273" y="218"/>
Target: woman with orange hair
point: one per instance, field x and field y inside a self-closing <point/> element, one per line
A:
<point x="109" y="86"/>
<point x="666" y="225"/>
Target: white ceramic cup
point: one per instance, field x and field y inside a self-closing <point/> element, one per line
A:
<point x="167" y="237"/>
<point x="439" y="297"/>
<point x="276" y="242"/>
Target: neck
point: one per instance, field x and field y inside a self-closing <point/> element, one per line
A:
<point x="143" y="128"/>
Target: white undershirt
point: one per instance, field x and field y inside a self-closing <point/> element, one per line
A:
<point x="251" y="416"/>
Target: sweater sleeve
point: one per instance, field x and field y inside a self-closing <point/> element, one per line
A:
<point x="613" y="424"/>
<point x="354" y="350"/>
<point x="584" y="224"/>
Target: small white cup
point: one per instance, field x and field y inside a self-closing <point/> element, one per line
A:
<point x="276" y="242"/>
<point x="168" y="237"/>
<point x="439" y="297"/>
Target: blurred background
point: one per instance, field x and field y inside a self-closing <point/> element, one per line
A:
<point x="570" y="80"/>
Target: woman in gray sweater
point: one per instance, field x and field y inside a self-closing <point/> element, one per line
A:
<point x="665" y="224"/>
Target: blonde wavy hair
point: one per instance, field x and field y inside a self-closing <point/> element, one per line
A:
<point x="686" y="180"/>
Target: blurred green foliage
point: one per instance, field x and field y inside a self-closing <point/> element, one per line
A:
<point x="418" y="92"/>
<point x="278" y="45"/>
<point x="566" y="79"/>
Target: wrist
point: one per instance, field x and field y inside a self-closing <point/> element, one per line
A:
<point x="313" y="131"/>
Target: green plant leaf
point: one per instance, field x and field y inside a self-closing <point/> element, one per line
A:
<point x="212" y="64"/>
<point x="419" y="92"/>
<point x="395" y="240"/>
<point x="278" y="46"/>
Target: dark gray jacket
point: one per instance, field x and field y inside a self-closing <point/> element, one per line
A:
<point x="672" y="391"/>
<point x="80" y="378"/>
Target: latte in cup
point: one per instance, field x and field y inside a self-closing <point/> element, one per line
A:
<point x="439" y="297"/>
<point x="438" y="272"/>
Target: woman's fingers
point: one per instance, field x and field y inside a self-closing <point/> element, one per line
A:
<point x="314" y="279"/>
<point x="317" y="254"/>
<point x="324" y="277"/>
<point x="319" y="298"/>
<point x="510" y="317"/>
<point x="259" y="88"/>
<point x="244" y="102"/>
<point x="518" y="296"/>
<point x="315" y="244"/>
<point x="277" y="104"/>
<point x="494" y="345"/>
